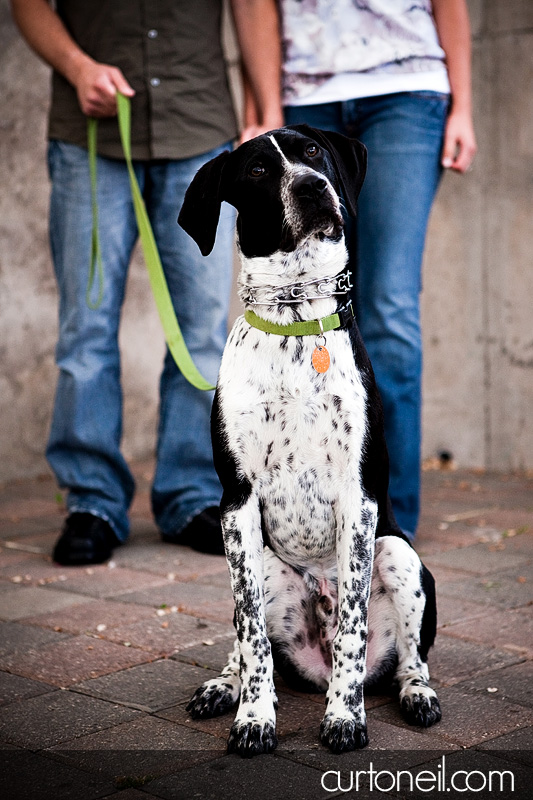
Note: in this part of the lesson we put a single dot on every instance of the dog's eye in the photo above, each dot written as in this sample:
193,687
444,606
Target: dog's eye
256,171
311,150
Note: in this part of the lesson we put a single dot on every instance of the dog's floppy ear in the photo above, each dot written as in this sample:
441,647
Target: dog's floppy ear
349,158
201,207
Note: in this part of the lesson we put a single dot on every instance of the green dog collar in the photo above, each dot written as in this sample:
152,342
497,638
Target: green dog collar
315,327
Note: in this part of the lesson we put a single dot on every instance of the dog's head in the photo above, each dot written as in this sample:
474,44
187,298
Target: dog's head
285,185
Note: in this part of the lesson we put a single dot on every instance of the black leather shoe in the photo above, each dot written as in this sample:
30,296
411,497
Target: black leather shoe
203,533
85,539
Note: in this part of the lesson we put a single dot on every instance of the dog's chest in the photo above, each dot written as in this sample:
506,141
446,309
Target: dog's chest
295,434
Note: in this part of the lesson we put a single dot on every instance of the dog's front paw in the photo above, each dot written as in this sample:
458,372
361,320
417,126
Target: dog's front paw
252,738
342,734
212,699
422,710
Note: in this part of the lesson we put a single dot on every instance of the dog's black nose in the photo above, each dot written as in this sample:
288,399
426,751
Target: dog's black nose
310,186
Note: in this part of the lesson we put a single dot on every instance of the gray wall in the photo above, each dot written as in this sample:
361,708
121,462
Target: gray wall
478,294
478,284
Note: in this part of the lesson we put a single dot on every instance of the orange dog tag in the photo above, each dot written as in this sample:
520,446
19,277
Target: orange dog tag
320,359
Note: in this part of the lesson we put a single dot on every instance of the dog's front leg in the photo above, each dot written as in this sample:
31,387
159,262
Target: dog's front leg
344,724
254,728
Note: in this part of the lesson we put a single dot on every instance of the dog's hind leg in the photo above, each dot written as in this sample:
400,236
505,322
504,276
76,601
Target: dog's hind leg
411,591
218,695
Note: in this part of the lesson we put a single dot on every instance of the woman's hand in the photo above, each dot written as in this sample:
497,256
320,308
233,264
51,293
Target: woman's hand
459,142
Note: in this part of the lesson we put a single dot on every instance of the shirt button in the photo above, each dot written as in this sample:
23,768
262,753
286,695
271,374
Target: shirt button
155,81
152,33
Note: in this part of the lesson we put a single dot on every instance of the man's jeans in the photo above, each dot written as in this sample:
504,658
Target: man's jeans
404,136
84,444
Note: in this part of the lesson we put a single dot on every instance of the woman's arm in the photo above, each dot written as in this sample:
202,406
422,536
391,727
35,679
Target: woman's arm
453,28
257,26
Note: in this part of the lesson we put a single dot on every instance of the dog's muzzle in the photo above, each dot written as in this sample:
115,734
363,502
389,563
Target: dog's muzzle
316,205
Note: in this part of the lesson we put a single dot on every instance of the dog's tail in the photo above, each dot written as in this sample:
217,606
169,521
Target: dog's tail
428,629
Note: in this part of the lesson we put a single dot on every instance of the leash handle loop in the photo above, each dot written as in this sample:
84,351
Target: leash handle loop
174,337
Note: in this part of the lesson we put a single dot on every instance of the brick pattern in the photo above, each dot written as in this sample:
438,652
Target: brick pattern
97,664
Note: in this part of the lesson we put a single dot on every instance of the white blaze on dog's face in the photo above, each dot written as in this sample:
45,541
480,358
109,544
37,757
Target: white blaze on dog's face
310,203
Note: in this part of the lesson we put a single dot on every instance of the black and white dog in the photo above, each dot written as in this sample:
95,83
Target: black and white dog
327,590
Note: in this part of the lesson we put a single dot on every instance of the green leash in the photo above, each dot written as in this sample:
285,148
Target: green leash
174,338
96,255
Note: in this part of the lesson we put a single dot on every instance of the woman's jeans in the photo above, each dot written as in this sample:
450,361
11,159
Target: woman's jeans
84,444
404,136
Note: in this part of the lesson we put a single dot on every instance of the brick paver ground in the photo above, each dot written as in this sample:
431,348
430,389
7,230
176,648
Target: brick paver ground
97,664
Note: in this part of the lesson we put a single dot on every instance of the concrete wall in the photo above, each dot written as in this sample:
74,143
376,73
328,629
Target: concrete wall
478,278
478,284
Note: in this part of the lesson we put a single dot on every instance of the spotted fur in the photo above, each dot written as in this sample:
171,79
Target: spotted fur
326,587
